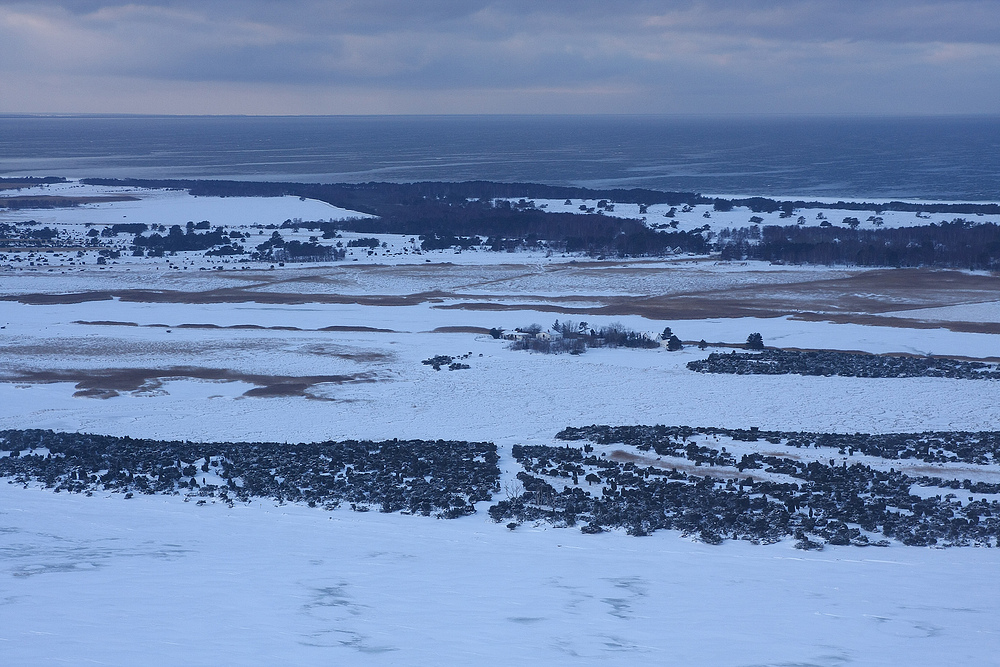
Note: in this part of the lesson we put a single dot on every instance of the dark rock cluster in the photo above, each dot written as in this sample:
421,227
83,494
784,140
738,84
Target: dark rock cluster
817,502
847,364
449,362
663,477
442,477
977,447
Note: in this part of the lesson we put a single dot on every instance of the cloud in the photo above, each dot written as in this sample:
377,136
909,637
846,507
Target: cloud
458,55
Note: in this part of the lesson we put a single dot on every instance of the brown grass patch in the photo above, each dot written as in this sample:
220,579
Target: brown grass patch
107,323
106,383
356,329
59,201
899,322
859,297
259,327
59,299
95,393
281,389
465,330
250,327
338,353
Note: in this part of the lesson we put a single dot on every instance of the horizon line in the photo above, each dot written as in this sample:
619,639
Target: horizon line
711,115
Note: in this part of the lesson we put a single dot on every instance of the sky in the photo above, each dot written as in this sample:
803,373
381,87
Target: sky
516,56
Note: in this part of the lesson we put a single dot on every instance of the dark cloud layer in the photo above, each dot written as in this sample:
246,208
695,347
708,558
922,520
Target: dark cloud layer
336,56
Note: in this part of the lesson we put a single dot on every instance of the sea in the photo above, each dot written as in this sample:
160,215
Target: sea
918,158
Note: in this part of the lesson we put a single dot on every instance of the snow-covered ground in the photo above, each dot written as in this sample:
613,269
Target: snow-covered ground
157,580
168,207
986,311
546,392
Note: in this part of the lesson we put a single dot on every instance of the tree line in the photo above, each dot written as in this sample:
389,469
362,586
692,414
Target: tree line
374,197
460,213
955,244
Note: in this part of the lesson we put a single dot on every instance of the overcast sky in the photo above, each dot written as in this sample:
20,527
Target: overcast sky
465,56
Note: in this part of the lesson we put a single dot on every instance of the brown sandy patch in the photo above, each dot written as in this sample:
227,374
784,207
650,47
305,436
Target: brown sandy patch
338,352
255,327
247,294
95,393
250,327
282,389
859,297
900,322
59,201
107,323
357,329
107,383
234,295
856,299
466,330
59,299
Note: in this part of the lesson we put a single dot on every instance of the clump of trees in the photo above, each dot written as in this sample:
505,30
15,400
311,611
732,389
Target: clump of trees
123,228
278,250
27,234
30,181
365,242
435,241
179,240
959,243
575,338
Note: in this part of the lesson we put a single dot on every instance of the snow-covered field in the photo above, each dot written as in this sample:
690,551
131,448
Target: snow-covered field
168,207
545,392
157,580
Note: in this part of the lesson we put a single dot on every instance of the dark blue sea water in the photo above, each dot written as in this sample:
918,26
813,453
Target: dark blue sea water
914,158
